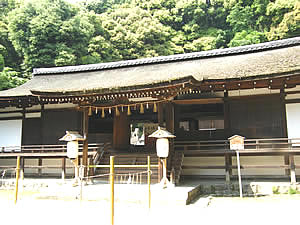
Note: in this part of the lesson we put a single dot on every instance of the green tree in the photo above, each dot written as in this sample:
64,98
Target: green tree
135,33
285,16
101,6
246,38
49,33
12,59
10,79
1,62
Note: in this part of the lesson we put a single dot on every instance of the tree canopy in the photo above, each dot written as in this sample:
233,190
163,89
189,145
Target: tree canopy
47,33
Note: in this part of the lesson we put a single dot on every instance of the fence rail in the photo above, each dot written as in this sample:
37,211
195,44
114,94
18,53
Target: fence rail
47,148
259,145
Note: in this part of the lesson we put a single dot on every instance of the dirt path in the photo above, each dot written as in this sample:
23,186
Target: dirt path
58,205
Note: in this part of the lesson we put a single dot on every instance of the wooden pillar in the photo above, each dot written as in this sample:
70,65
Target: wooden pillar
170,117
287,163
283,113
176,118
227,131
22,167
121,131
160,114
91,170
63,168
40,163
42,141
293,171
160,170
85,131
170,127
228,169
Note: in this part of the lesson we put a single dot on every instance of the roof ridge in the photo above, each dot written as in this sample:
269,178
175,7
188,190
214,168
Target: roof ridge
170,58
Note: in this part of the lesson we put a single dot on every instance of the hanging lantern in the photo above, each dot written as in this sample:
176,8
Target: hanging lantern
117,112
109,110
142,109
147,105
155,108
128,111
96,111
103,113
90,111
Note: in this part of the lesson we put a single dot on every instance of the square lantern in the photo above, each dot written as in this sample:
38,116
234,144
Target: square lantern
72,137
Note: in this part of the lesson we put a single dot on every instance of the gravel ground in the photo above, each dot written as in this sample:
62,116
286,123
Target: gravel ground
58,205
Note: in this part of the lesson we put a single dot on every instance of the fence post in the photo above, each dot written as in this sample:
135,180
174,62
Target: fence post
63,168
17,178
292,171
112,191
149,182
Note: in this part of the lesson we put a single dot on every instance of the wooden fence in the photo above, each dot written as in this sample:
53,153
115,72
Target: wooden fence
287,148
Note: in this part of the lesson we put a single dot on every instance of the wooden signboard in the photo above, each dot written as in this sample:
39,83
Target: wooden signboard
236,142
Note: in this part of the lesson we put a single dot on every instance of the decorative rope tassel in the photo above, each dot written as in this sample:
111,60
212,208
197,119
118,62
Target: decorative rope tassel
117,112
128,111
142,109
155,108
103,113
90,111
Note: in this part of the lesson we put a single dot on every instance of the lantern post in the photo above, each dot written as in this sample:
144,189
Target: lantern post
72,138
162,150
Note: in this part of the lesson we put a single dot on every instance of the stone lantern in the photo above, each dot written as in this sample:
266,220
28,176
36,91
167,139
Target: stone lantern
162,149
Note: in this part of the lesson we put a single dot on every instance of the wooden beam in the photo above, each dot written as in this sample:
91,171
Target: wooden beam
198,101
291,101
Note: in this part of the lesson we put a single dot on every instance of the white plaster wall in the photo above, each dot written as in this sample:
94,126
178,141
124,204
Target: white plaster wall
260,160
10,132
245,160
203,161
293,120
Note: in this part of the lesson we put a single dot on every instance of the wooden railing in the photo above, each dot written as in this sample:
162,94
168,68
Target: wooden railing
47,148
250,145
283,147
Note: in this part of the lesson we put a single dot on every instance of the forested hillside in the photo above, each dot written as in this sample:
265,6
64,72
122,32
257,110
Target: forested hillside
47,33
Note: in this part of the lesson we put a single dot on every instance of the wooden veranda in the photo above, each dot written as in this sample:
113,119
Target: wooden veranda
284,147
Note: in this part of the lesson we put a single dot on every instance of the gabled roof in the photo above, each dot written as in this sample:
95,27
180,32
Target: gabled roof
253,61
